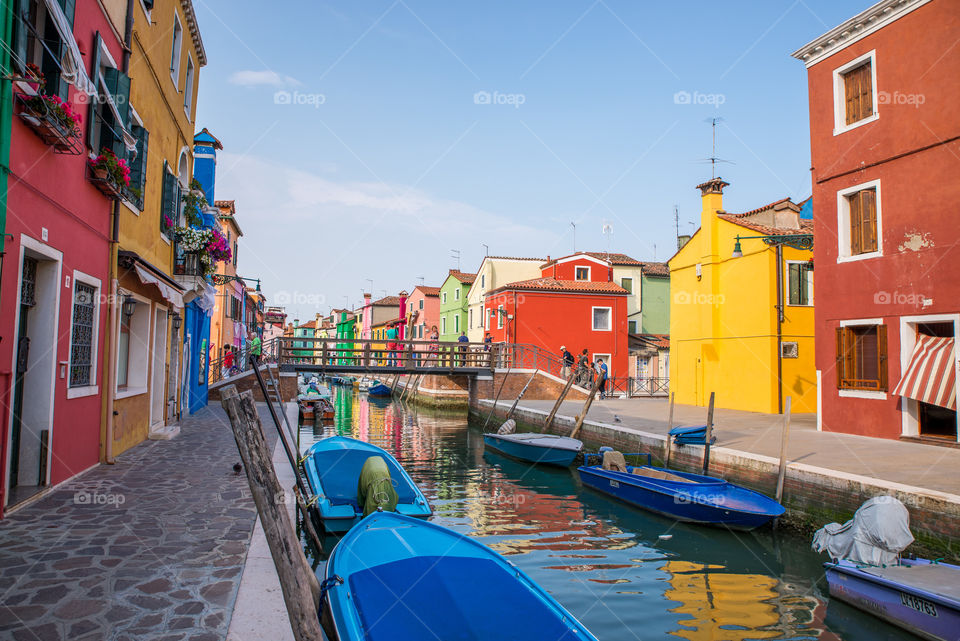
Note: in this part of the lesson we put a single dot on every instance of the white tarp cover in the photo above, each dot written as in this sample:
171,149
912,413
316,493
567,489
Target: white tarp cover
876,534
71,64
168,292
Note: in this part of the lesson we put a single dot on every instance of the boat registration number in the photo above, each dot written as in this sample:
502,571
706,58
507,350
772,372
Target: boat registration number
920,605
614,483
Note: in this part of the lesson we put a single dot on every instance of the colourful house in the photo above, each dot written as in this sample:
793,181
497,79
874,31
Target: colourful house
494,272
573,303
226,327
741,309
423,312
884,107
303,350
452,312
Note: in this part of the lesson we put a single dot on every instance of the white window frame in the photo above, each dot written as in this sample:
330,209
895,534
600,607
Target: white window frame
96,283
443,324
470,323
176,50
456,294
630,278
839,94
486,319
843,223
456,323
856,393
483,282
135,117
188,87
140,362
577,268
786,281
593,318
910,420
500,316
443,297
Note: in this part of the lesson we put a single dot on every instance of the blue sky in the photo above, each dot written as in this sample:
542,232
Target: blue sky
366,140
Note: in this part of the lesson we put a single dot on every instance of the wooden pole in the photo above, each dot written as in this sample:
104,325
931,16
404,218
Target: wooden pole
669,443
497,398
301,590
781,475
706,447
586,408
519,396
556,406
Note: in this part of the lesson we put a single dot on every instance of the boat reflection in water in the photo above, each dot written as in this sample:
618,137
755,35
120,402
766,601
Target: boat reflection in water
624,573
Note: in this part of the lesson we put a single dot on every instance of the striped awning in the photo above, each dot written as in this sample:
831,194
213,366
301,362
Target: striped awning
930,375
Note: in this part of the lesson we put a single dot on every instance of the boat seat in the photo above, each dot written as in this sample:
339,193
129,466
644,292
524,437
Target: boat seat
509,427
649,472
613,461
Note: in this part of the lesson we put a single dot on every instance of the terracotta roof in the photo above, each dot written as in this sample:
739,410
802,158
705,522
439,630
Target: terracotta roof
427,291
226,204
463,277
573,286
661,341
388,300
514,258
310,325
806,226
656,269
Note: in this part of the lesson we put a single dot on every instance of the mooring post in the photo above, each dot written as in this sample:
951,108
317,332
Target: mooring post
301,590
782,473
706,447
581,417
668,444
556,406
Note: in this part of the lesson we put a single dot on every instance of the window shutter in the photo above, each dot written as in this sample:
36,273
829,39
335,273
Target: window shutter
21,12
93,123
851,95
866,91
69,8
167,203
868,220
855,224
118,84
882,357
138,173
793,275
839,357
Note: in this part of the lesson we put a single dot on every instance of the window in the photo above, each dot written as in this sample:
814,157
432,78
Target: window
170,201
443,298
632,327
36,40
471,319
133,357
123,352
456,323
483,281
234,308
188,88
627,284
500,315
175,51
601,319
421,303
486,320
83,334
108,116
855,93
582,273
443,325
859,222
138,167
799,283
456,294
862,357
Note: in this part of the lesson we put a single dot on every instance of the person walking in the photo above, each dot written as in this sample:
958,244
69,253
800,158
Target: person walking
567,359
227,364
602,373
256,348
434,345
583,369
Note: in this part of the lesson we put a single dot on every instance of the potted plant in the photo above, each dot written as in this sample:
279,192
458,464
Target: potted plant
194,201
110,173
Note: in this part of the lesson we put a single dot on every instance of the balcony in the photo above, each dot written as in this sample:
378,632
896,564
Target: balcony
188,269
50,122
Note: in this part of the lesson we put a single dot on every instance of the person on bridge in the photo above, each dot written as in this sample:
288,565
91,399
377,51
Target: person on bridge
568,360
602,373
463,340
256,347
583,369
434,345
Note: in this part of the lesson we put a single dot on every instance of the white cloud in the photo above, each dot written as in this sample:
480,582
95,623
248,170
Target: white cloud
250,78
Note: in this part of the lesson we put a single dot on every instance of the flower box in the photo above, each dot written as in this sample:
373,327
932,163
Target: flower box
48,119
103,181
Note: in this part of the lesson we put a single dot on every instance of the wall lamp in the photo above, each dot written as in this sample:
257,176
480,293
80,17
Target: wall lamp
129,306
797,241
176,320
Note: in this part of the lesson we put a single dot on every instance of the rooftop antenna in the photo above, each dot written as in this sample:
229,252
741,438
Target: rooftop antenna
676,220
607,229
713,159
421,279
486,249
654,252
574,225
455,253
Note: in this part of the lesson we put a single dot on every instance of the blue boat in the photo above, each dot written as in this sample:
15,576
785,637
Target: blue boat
535,448
394,578
379,390
917,595
332,467
687,497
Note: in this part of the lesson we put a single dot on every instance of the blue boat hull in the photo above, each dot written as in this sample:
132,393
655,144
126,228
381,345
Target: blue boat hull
926,614
379,390
530,453
332,467
705,500
393,578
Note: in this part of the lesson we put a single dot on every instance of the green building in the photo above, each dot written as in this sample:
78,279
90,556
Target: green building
346,333
307,330
655,299
453,304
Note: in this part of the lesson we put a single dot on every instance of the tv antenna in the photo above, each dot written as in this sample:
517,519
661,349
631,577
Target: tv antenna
486,249
574,225
421,279
713,159
455,253
607,229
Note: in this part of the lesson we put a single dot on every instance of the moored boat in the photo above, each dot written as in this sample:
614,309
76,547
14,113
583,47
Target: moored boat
379,390
399,579
547,449
692,498
332,468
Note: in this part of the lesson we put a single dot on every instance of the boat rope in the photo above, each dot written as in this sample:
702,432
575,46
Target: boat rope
304,459
325,586
313,500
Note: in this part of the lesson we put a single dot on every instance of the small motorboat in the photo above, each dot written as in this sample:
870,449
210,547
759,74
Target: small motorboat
400,579
323,410
366,383
332,467
535,448
379,390
687,497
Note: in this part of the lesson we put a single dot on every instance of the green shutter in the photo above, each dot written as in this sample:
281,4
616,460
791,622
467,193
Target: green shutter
21,9
93,124
167,202
69,8
118,84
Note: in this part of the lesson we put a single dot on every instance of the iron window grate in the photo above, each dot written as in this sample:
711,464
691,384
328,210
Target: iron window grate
81,344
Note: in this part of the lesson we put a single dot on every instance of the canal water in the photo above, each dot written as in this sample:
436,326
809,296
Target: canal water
624,573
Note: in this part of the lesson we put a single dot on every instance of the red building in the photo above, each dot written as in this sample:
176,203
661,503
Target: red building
885,147
55,277
574,303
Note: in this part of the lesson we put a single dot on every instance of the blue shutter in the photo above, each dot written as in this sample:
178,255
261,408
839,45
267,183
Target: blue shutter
93,124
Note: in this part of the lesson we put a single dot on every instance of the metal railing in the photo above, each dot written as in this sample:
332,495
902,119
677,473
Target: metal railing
240,360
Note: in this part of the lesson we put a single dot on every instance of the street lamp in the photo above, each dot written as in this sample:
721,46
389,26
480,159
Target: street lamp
223,279
176,320
797,241
129,306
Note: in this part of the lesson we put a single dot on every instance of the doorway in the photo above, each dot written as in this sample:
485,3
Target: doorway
920,419
158,399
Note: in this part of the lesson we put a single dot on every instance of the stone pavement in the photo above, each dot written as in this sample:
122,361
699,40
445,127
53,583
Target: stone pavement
152,547
925,466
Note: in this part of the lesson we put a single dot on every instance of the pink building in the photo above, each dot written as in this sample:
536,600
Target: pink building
423,311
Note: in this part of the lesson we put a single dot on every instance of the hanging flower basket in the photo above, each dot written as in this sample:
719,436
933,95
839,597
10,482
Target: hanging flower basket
52,119
109,174
209,245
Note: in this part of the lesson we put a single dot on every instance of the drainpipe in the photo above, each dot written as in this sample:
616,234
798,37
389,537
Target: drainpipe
7,18
779,307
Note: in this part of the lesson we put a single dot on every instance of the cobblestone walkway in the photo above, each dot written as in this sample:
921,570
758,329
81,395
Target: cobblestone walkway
150,548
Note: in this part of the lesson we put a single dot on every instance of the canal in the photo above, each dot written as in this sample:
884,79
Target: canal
624,573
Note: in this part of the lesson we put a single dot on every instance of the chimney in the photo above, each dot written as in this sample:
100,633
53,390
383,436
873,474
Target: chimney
711,198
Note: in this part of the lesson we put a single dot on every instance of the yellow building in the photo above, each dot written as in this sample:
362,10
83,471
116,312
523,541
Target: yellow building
227,331
144,346
741,311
